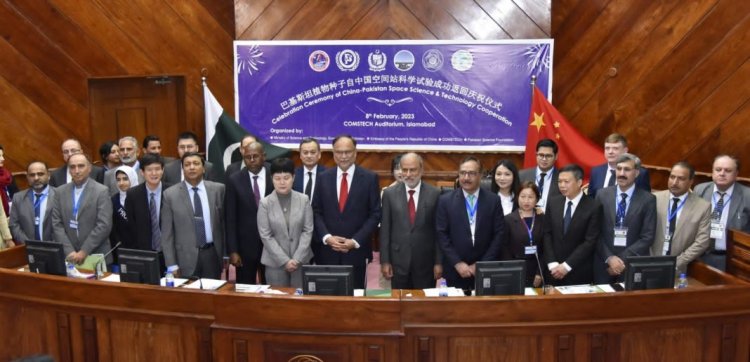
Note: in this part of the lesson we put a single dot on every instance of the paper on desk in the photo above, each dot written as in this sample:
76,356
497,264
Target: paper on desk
606,288
111,278
435,292
205,284
273,291
250,288
177,282
529,291
579,289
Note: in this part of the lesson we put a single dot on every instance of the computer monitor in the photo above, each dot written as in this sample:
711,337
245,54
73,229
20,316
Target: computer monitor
500,277
139,266
649,272
328,279
45,257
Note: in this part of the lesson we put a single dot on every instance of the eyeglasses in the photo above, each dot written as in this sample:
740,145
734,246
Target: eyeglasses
468,173
545,156
72,151
344,153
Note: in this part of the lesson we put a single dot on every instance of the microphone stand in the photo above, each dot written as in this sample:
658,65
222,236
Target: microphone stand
98,266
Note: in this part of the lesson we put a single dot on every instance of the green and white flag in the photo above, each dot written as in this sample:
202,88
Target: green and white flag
223,135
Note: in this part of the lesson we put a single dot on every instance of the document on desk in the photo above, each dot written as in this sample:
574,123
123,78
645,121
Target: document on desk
435,292
579,289
205,284
114,278
250,288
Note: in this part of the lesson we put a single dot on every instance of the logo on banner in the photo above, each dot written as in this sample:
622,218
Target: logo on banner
319,60
462,60
403,60
347,60
432,60
377,61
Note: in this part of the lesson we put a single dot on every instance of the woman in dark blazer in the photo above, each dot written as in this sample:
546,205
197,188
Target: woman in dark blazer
519,224
126,177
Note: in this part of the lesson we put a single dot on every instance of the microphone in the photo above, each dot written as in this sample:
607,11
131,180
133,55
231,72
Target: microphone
541,273
98,266
367,261
199,279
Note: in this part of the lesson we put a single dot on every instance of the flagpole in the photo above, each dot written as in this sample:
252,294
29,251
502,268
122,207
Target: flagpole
533,84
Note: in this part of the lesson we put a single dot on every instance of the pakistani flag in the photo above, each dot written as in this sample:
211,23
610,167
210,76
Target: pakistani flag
223,135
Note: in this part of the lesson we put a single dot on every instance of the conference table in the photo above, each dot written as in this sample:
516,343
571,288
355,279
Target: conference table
90,320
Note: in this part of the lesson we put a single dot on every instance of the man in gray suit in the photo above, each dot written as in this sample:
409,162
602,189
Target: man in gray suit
409,255
683,218
730,207
82,213
628,222
192,223
30,212
128,146
545,173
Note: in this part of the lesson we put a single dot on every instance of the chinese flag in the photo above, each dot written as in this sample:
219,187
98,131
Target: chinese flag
546,122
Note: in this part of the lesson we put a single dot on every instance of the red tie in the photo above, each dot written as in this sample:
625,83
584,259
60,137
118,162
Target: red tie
412,208
344,193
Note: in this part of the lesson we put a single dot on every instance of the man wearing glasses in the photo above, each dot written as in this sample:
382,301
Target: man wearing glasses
545,173
470,226
61,176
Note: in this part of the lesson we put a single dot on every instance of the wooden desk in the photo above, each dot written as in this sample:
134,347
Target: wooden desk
87,320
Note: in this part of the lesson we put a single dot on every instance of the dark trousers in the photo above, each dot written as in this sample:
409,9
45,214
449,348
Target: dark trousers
248,272
418,277
208,265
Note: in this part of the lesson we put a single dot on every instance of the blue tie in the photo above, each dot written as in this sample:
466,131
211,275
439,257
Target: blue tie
568,216
200,227
621,209
37,216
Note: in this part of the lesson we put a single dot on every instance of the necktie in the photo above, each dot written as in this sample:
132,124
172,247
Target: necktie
412,208
568,216
256,190
719,208
672,221
155,228
200,228
308,186
37,216
542,176
621,209
612,178
343,192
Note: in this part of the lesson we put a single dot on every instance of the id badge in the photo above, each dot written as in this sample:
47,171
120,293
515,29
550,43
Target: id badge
36,220
530,250
717,230
621,236
74,224
665,248
667,236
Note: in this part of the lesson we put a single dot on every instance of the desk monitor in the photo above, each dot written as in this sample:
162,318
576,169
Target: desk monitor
139,266
649,272
500,277
45,257
328,280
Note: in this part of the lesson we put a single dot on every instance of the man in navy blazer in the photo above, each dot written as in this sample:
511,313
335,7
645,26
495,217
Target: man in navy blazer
604,175
61,175
307,176
244,245
470,226
347,211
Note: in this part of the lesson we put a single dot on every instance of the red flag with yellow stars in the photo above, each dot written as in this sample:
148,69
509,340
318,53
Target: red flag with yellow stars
546,122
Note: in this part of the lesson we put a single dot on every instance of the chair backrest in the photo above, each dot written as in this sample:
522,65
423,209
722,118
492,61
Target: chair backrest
738,254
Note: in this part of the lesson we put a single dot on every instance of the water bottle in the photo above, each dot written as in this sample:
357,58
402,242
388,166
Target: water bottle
683,282
70,269
169,279
443,286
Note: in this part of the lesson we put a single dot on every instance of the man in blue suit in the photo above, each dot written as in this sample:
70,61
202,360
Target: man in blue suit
615,145
306,178
347,211
470,226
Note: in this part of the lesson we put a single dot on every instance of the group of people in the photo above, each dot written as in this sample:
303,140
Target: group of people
271,218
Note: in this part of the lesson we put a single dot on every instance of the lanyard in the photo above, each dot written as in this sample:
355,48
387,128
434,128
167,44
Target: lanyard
726,201
529,229
472,210
671,215
76,204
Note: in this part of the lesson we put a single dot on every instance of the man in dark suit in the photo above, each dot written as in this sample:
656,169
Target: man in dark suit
192,223
307,176
188,142
730,207
409,254
544,174
143,207
152,144
628,223
347,210
604,175
82,213
26,223
470,226
61,176
236,166
245,189
571,231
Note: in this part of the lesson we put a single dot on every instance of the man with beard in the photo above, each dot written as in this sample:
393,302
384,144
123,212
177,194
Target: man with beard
128,156
30,212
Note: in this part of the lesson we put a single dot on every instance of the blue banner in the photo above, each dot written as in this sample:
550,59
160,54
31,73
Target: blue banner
391,95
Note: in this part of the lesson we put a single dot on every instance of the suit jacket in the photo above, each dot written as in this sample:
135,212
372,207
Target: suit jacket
173,173
22,216
281,241
640,219
576,247
139,217
241,216
57,177
111,181
359,220
739,205
454,232
691,232
178,239
299,178
402,245
529,174
517,241
94,219
599,174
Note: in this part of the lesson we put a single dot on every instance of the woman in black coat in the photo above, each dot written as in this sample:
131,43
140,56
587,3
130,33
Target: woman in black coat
525,228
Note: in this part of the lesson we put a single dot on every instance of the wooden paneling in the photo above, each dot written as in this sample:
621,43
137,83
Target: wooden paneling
52,48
